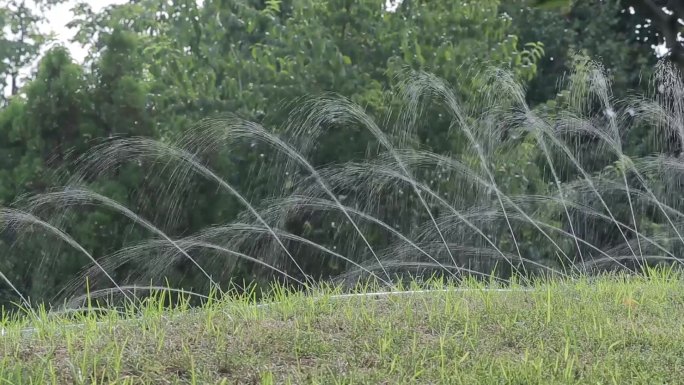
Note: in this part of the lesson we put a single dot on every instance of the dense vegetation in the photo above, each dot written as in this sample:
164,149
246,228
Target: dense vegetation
156,68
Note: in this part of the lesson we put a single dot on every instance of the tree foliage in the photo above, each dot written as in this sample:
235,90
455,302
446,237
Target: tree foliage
648,22
156,67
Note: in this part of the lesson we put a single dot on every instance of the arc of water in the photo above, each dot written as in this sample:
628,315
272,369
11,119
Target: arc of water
452,163
9,283
606,217
23,217
506,79
317,203
83,194
146,145
590,183
344,105
458,214
437,86
626,162
279,144
241,226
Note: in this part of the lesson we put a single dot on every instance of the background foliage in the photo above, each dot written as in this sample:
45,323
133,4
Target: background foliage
156,67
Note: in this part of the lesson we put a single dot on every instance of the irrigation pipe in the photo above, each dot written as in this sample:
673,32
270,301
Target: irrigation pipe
375,295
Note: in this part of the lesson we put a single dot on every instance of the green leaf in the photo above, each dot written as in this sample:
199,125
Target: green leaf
551,4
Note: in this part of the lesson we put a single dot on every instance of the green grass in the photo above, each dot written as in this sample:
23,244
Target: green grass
610,330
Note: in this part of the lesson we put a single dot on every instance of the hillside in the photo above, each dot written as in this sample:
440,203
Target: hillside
612,330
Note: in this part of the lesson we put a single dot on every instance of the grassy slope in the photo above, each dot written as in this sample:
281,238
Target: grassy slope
610,331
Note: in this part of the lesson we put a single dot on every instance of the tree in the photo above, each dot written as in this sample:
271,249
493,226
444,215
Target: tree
666,17
62,110
37,132
22,45
651,22
605,32
157,66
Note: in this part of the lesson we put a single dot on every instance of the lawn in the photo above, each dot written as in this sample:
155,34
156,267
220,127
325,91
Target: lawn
614,329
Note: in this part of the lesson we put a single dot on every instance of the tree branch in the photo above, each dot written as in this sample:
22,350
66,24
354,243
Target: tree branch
668,25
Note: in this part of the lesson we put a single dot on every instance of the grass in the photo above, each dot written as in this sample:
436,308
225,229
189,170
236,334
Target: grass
615,329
